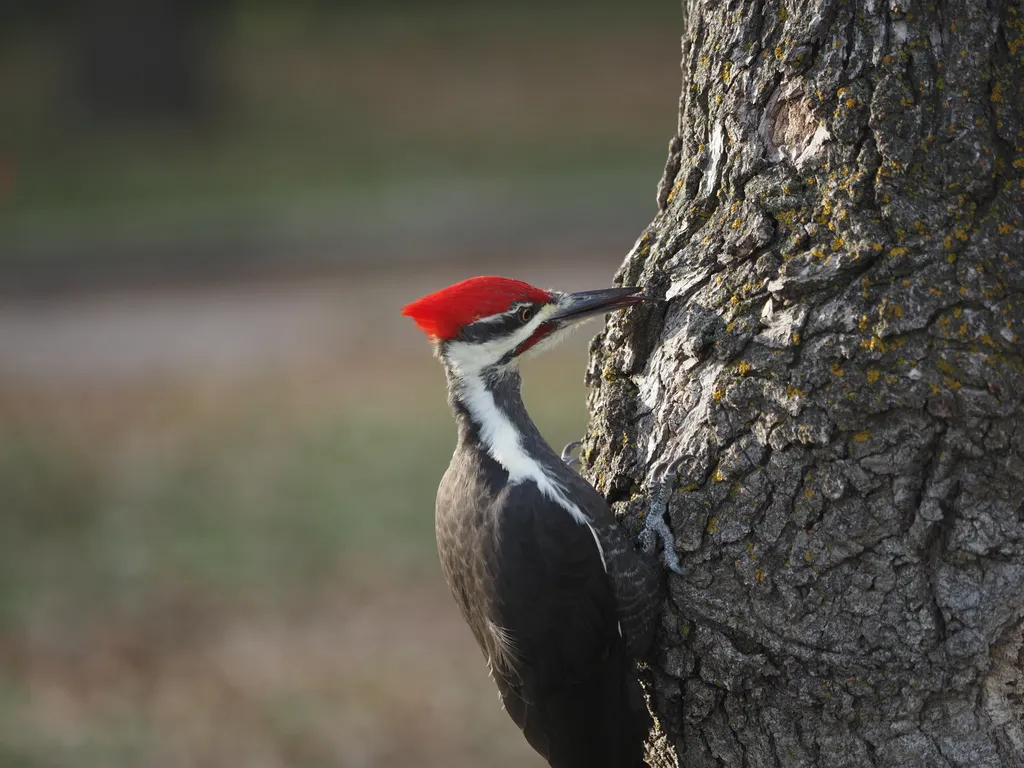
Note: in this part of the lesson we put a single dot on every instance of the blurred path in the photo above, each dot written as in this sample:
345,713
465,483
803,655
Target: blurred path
243,329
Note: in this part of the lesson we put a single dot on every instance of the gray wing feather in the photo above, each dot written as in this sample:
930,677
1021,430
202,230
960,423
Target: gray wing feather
635,583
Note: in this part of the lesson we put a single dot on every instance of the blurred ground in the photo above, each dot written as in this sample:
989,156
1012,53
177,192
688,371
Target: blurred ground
219,440
221,545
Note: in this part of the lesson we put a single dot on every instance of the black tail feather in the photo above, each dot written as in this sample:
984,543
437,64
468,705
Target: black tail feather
599,722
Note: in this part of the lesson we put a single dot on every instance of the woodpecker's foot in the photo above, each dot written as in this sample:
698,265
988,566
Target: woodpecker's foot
655,528
567,457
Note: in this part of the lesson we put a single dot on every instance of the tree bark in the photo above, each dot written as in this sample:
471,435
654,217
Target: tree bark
839,365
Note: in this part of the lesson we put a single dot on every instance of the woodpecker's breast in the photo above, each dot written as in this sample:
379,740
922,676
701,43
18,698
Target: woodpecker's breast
526,575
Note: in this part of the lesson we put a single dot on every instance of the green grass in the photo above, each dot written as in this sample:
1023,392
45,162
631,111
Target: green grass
141,554
257,508
256,501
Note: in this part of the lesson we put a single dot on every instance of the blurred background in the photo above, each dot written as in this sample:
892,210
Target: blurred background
219,440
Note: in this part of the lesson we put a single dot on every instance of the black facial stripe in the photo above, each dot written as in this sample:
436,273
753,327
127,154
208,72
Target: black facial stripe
481,331
487,330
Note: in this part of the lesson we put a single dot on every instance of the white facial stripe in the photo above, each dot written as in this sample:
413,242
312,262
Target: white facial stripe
468,359
493,318
516,306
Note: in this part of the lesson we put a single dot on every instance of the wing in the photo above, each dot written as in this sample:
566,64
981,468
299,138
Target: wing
528,578
634,582
551,596
568,680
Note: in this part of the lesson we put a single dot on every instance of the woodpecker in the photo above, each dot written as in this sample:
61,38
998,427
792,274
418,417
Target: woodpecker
559,601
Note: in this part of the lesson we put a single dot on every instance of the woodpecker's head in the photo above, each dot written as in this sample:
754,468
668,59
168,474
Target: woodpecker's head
488,323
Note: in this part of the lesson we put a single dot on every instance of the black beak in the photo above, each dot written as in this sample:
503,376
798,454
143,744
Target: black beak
573,307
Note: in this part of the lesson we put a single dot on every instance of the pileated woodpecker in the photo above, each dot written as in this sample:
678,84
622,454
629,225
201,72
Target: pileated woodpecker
560,602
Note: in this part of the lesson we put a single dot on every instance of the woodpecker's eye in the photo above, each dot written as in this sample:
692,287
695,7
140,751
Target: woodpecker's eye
525,314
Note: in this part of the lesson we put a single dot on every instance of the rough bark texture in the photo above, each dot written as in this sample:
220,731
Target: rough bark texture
841,362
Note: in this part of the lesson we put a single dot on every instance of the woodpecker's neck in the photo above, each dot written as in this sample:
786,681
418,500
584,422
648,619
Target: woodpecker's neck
493,419
489,408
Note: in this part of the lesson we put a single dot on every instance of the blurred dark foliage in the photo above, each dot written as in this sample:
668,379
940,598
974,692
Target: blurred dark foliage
131,60
137,59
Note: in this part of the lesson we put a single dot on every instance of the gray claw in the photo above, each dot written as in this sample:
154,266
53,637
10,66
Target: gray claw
663,478
567,457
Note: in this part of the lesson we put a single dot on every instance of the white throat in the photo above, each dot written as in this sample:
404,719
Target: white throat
504,443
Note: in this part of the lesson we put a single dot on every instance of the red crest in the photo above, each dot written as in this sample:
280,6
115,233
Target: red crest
441,314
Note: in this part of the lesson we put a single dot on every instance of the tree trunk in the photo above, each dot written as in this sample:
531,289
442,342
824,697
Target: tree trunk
840,365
